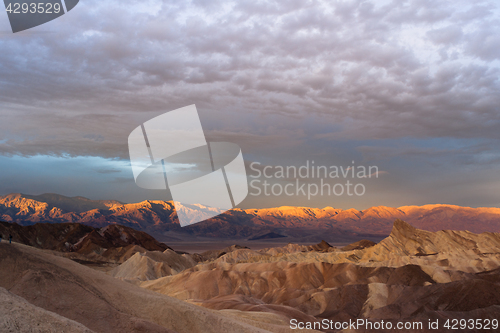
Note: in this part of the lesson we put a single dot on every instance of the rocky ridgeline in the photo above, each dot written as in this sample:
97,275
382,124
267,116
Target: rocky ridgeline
159,218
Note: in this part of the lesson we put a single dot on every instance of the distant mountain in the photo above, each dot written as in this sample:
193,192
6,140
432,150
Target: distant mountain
269,235
159,218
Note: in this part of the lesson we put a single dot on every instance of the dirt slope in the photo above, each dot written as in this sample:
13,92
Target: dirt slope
152,265
101,302
19,316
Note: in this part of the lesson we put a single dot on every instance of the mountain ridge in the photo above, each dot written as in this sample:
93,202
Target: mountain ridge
159,217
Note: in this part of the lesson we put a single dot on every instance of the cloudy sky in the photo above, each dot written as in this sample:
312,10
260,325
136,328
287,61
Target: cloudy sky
412,87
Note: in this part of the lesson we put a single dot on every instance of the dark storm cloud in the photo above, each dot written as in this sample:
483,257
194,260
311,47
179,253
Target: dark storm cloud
278,78
107,171
368,67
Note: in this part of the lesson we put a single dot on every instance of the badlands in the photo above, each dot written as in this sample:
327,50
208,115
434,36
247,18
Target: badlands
411,275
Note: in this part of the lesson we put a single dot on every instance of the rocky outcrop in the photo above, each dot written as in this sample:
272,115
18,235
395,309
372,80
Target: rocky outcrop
152,265
410,275
113,241
406,240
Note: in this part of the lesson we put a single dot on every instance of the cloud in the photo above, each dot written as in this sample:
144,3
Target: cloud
448,35
107,171
358,64
284,80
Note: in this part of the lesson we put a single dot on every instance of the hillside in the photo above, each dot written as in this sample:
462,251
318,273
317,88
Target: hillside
411,275
113,243
65,292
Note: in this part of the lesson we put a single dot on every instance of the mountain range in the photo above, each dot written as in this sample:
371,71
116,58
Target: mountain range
159,218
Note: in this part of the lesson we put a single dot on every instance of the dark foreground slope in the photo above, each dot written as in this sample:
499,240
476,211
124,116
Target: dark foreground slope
76,237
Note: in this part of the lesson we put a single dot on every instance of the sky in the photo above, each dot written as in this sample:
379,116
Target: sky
411,87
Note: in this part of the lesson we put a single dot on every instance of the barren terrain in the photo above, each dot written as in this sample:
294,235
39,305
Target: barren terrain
79,279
